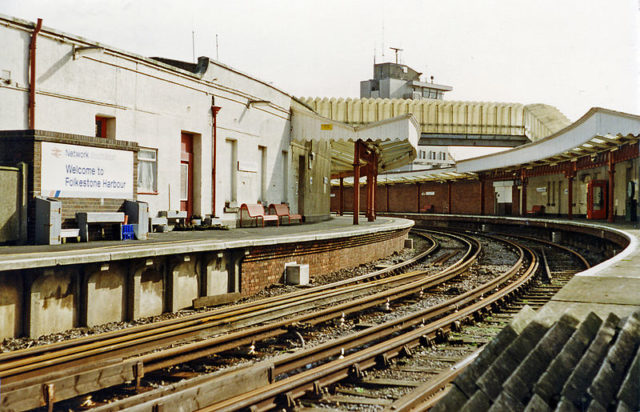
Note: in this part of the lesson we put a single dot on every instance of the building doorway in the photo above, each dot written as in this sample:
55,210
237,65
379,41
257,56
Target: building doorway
186,173
597,199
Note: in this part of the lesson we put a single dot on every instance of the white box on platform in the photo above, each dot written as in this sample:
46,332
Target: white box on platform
297,274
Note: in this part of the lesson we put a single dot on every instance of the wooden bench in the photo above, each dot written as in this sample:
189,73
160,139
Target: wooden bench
536,210
86,218
282,210
427,208
256,212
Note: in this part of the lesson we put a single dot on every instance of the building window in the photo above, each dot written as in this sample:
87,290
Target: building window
148,171
106,127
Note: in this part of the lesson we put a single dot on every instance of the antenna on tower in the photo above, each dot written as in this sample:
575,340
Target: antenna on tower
397,50
193,45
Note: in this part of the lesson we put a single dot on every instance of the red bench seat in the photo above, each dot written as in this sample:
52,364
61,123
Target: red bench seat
282,211
256,212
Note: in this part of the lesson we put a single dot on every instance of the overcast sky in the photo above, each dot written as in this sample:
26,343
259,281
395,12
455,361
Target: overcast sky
572,54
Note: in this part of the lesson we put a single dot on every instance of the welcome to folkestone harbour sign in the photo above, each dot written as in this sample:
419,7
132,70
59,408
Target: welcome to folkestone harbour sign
86,172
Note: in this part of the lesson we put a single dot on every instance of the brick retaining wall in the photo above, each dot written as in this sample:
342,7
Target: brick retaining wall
264,265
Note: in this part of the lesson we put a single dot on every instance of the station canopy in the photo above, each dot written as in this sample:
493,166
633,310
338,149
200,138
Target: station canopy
416,176
394,140
599,130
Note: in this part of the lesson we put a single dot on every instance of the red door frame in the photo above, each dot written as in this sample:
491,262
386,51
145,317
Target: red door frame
602,212
186,157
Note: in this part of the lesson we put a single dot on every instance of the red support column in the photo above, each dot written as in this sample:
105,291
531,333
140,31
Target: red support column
612,171
387,186
523,206
570,200
368,192
374,185
481,196
356,181
341,198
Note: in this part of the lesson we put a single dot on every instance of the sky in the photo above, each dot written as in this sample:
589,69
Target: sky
571,54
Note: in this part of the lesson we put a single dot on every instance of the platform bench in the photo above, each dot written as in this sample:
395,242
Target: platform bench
256,212
84,219
69,233
428,208
282,210
536,210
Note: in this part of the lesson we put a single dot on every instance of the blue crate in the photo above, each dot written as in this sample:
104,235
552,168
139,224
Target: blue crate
127,232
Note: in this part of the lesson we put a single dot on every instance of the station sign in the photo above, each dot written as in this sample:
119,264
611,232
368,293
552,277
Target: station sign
85,172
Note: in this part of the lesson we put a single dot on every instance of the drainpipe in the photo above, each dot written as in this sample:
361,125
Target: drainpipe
32,75
214,147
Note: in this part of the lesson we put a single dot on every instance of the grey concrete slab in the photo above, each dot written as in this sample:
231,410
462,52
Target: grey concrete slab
601,290
159,244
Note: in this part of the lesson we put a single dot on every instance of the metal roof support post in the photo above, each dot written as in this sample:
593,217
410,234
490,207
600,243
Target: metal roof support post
612,170
570,200
387,187
523,206
449,197
482,196
368,190
418,195
341,198
356,181
372,171
373,191
570,175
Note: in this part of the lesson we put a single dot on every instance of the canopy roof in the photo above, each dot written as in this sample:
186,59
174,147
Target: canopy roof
395,140
598,130
416,176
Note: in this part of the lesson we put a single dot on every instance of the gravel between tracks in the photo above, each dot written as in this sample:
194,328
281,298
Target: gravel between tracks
11,344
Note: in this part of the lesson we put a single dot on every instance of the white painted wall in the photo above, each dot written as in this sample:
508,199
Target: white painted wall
152,103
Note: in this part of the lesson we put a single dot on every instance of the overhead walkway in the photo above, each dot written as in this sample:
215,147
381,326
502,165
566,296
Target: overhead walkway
451,123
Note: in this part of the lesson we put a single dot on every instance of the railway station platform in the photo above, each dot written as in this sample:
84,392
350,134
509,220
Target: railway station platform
46,289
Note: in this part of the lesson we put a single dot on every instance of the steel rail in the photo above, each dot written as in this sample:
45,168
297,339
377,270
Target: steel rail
554,245
262,303
427,395
10,362
38,377
422,398
295,386
159,360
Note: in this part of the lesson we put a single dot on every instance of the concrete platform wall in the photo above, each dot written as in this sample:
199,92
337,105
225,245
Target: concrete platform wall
38,301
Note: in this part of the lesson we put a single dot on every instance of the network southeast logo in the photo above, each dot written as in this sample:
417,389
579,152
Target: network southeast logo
74,154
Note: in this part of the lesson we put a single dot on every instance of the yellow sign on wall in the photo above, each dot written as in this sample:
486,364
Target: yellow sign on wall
326,127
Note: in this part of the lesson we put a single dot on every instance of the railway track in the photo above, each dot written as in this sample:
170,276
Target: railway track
388,344
558,264
402,336
295,366
456,344
48,374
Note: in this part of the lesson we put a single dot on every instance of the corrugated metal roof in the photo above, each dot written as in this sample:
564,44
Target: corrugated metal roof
448,116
